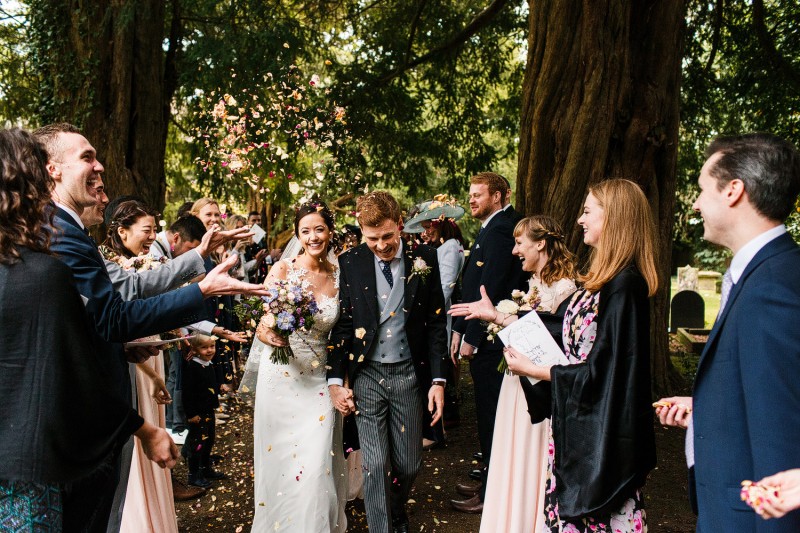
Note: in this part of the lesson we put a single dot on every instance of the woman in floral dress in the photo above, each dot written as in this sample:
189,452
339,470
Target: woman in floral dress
602,438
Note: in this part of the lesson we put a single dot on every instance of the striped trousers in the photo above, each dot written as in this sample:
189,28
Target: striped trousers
389,422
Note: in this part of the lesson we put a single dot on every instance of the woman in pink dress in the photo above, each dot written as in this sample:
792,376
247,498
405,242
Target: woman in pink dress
515,486
149,504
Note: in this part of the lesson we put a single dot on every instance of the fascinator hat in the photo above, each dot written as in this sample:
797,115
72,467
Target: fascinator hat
440,208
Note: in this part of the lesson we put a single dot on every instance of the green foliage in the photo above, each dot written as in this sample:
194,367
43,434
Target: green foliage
18,84
420,119
733,83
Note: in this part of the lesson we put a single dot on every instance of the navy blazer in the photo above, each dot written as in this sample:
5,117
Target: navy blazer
490,263
116,321
426,320
747,392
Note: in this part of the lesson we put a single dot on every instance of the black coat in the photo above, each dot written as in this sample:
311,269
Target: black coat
602,412
61,412
426,320
199,389
490,263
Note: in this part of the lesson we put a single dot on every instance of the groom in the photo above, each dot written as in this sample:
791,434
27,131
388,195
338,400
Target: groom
390,343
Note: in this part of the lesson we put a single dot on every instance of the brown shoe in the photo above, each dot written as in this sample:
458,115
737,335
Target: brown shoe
181,492
472,505
467,489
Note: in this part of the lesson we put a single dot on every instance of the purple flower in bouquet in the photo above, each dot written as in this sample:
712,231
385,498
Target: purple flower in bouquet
289,308
285,321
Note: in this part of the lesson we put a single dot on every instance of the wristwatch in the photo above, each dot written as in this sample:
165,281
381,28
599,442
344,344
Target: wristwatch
439,383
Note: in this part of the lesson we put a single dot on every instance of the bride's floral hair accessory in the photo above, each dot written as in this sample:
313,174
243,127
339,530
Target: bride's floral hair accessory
313,206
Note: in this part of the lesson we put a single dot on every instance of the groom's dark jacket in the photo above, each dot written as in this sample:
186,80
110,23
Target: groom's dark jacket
426,321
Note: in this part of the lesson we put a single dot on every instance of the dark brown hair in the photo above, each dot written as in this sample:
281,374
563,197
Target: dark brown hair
768,166
313,206
448,229
124,216
49,136
25,188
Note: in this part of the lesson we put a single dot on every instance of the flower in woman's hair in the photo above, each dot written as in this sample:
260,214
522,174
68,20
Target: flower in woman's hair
419,268
285,321
507,307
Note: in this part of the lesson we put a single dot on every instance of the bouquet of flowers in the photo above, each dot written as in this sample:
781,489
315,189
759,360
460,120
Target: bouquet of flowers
288,308
520,301
249,311
138,263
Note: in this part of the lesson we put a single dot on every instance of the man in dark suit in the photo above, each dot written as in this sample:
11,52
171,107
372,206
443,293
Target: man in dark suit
746,401
390,343
77,175
491,265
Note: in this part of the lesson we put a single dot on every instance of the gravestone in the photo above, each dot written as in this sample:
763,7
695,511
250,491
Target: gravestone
687,278
707,280
687,310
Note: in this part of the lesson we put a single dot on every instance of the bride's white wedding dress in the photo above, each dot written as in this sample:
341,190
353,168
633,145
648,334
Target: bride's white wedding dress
300,469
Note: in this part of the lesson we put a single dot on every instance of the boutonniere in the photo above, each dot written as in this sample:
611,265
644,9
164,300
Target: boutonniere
419,268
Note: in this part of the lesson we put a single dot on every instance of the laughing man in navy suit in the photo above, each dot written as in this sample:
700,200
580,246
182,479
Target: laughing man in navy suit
746,401
78,175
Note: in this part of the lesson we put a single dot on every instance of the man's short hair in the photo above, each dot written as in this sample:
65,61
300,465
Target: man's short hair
48,137
375,207
253,214
494,182
768,166
189,227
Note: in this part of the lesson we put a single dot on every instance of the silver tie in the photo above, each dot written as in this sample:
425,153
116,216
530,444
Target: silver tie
727,284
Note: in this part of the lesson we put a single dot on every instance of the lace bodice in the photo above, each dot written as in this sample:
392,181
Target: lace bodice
310,348
552,295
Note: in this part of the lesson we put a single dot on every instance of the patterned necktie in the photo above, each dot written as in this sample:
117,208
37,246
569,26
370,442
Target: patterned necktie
727,285
387,272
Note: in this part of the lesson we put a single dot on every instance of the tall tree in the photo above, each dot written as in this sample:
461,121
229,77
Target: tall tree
102,68
600,100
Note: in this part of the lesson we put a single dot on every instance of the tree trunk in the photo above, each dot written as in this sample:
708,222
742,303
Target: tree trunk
600,100
106,63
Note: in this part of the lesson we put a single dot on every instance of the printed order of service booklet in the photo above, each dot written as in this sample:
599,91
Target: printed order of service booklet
529,336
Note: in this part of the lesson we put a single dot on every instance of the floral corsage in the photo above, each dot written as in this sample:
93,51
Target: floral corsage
419,268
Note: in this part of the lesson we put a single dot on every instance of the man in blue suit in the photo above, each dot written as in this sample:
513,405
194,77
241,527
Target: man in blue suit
746,401
78,175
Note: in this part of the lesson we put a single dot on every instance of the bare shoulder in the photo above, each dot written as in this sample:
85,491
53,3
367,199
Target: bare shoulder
278,271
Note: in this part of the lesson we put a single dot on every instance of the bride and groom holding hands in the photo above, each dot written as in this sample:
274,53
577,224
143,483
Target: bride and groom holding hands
376,351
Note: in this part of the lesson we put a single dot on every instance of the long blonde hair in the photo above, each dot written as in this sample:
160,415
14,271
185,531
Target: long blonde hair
628,235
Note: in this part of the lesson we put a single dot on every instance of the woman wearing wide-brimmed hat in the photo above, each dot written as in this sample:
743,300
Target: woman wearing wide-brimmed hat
435,222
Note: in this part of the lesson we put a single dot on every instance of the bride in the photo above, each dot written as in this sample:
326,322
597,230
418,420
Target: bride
300,469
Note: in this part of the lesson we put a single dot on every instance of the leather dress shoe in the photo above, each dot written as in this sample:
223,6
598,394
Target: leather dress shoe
182,493
400,522
478,456
467,489
400,528
472,505
476,474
